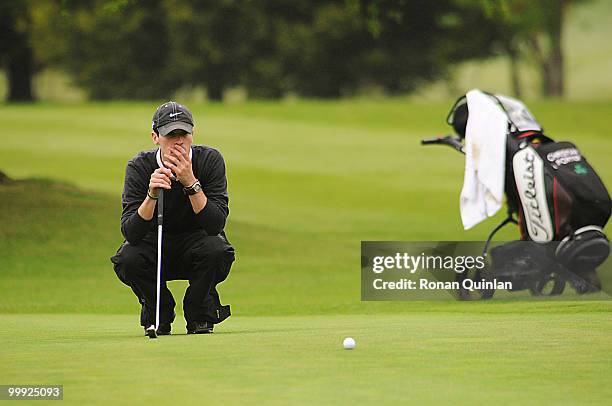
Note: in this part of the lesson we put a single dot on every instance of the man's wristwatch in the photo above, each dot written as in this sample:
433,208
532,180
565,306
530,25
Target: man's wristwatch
193,189
151,195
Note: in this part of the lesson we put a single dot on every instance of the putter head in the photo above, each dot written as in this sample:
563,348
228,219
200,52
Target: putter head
152,332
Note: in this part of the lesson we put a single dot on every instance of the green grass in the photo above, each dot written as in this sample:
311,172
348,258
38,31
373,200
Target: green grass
308,181
417,359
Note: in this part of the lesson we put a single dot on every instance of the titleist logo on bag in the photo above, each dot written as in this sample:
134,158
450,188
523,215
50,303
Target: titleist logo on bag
563,157
529,177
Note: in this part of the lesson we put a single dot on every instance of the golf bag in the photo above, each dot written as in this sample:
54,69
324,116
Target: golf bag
560,203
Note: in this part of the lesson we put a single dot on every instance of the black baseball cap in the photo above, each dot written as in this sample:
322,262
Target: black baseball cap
172,116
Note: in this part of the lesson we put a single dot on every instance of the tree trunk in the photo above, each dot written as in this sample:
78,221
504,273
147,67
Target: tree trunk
20,69
515,79
215,90
555,85
550,59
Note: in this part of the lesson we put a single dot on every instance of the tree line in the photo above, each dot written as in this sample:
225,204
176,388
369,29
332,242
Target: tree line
137,49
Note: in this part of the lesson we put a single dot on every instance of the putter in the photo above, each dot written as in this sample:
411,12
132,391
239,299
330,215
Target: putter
152,330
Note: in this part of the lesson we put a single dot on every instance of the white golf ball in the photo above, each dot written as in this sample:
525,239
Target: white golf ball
348,343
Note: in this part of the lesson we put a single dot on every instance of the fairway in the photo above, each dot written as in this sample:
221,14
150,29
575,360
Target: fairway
308,181
417,358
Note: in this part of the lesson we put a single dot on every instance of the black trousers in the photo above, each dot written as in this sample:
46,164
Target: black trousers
203,260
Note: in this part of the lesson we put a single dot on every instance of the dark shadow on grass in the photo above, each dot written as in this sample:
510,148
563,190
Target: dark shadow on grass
4,178
262,331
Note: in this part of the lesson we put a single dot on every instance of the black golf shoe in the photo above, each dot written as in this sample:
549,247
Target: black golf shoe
162,330
200,327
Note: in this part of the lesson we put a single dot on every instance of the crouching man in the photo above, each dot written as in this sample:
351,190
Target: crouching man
195,210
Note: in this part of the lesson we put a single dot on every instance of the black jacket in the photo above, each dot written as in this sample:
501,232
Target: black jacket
208,167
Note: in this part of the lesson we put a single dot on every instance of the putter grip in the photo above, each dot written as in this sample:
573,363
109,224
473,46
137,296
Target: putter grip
440,139
160,207
449,140
431,141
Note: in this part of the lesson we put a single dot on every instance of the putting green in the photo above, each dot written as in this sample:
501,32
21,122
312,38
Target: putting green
308,181
415,358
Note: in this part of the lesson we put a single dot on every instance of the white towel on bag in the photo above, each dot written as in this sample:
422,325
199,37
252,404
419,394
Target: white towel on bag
485,159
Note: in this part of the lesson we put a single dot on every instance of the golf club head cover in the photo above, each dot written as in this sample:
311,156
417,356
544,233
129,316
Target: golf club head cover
583,250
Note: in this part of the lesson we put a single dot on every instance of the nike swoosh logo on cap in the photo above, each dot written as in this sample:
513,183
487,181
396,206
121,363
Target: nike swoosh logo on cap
175,114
